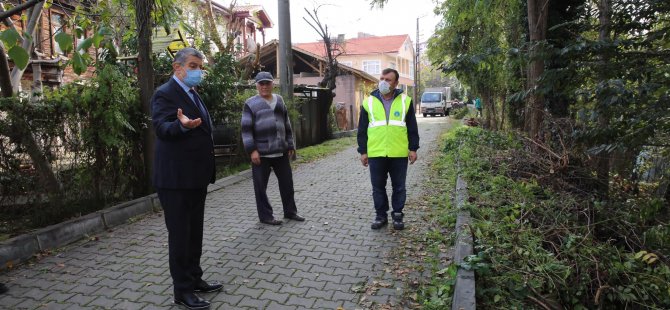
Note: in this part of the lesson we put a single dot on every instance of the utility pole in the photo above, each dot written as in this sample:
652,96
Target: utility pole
285,60
417,63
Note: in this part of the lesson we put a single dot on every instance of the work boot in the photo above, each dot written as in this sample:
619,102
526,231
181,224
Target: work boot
379,222
397,220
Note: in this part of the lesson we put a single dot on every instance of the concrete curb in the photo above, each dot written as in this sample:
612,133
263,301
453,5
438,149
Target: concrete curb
23,247
464,289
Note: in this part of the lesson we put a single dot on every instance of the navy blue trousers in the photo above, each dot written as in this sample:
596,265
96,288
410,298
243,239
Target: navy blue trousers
380,169
184,212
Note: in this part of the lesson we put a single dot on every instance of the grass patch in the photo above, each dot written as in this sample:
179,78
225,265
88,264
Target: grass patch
319,151
223,171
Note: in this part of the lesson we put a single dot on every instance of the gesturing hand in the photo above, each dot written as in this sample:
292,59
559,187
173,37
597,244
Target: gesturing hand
187,122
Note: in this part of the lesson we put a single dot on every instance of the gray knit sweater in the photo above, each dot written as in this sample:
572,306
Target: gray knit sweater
265,130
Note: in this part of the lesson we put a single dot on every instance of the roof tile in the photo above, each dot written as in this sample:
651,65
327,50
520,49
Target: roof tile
361,46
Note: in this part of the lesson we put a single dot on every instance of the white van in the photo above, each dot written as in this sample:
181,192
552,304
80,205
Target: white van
436,101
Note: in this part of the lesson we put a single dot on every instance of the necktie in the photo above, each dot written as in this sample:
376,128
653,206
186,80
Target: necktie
200,106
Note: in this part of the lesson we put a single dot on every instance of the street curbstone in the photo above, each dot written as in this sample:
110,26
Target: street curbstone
464,289
17,249
69,231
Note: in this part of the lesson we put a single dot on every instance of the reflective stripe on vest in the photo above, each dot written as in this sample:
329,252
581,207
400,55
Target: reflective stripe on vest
375,123
387,138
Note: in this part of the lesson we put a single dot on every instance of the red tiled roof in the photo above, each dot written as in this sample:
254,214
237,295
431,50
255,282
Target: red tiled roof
361,46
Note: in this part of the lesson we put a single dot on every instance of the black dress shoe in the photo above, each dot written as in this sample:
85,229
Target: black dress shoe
204,287
271,222
379,223
294,217
191,301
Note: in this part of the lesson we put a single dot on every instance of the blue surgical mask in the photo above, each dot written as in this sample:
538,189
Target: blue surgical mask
193,77
384,87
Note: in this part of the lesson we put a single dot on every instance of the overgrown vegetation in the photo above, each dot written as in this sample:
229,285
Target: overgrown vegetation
542,243
460,112
330,147
90,133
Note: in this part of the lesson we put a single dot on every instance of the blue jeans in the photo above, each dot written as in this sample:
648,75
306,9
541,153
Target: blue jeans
380,169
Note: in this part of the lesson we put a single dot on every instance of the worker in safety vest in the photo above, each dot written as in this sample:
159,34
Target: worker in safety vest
388,138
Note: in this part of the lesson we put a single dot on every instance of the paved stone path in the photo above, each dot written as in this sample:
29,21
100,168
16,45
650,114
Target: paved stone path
317,264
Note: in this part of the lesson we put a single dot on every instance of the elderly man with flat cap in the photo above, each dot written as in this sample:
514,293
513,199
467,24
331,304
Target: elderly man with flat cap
268,139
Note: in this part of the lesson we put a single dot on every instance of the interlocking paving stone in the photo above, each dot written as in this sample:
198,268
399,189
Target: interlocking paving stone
81,299
300,301
130,295
303,265
253,303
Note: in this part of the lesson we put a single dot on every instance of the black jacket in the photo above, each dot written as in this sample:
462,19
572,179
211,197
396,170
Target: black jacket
183,159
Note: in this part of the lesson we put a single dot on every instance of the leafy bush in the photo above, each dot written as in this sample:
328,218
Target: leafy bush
90,132
219,92
539,246
459,113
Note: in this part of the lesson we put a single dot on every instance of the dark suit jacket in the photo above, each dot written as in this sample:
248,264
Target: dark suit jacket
183,159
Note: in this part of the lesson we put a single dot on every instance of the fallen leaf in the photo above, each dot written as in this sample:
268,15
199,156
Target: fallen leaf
384,284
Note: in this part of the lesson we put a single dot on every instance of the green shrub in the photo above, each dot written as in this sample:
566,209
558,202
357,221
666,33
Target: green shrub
459,113
538,245
90,132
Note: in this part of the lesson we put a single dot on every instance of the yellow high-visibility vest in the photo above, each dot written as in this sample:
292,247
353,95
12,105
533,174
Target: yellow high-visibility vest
387,139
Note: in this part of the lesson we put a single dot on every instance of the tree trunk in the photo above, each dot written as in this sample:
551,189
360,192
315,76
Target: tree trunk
503,112
489,107
5,80
22,134
27,44
603,160
537,24
145,79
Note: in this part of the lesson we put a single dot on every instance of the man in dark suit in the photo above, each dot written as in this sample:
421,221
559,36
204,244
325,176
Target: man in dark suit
183,167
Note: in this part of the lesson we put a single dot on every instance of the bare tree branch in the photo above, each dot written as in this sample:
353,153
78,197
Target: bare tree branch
332,49
19,8
6,21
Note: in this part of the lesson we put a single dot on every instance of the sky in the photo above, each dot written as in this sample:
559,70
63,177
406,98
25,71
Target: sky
352,16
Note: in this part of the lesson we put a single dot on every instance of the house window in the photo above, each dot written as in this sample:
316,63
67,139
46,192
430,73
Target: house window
347,63
372,66
57,26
